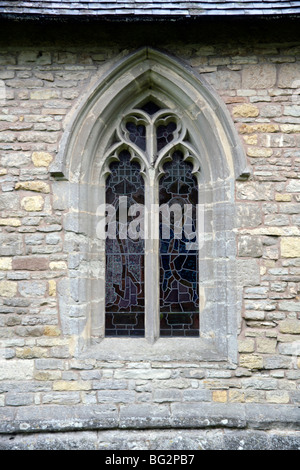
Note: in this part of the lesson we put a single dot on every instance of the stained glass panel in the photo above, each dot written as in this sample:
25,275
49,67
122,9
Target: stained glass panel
179,298
137,134
124,255
165,134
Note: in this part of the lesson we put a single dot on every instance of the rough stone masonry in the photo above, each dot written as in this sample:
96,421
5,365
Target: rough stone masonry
45,393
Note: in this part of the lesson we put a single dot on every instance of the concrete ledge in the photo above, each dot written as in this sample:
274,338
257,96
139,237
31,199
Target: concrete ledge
171,439
202,415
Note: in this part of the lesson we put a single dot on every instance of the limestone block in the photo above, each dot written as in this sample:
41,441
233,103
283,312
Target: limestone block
38,186
52,330
290,326
32,288
271,110
283,197
32,203
259,152
262,128
253,191
246,345
58,265
219,396
41,159
259,76
248,216
290,349
245,110
74,385
5,264
250,246
45,94
10,222
277,396
31,352
290,247
266,345
52,288
12,369
290,128
41,58
10,244
288,75
8,288
223,79
251,361
8,202
293,110
15,159
293,186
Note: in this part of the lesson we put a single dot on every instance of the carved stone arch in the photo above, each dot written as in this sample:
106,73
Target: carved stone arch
126,84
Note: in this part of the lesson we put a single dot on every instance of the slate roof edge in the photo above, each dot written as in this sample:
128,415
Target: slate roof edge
144,17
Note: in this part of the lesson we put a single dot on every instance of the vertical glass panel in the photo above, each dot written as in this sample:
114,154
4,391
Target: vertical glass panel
165,134
137,134
179,297
125,299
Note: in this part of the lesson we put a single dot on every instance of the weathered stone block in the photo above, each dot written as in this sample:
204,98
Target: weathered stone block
8,202
8,288
32,288
14,368
32,203
52,288
5,264
290,349
10,222
38,186
245,110
58,265
30,263
288,75
259,76
266,345
45,94
249,246
74,385
246,345
41,159
259,152
251,361
290,247
290,326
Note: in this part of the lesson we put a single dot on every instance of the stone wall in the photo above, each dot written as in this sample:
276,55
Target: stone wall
42,386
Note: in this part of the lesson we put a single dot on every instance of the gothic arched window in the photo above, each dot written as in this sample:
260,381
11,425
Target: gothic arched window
151,135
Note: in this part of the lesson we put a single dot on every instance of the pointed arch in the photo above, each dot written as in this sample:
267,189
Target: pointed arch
143,75
210,142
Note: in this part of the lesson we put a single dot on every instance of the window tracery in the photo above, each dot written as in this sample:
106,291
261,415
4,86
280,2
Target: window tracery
151,136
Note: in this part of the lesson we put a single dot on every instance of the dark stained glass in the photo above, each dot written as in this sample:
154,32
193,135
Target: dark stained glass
165,134
150,108
124,255
137,134
179,297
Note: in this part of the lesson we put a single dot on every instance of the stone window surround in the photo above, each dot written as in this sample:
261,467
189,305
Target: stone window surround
81,168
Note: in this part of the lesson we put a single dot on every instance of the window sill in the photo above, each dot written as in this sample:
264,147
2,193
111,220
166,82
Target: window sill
164,349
